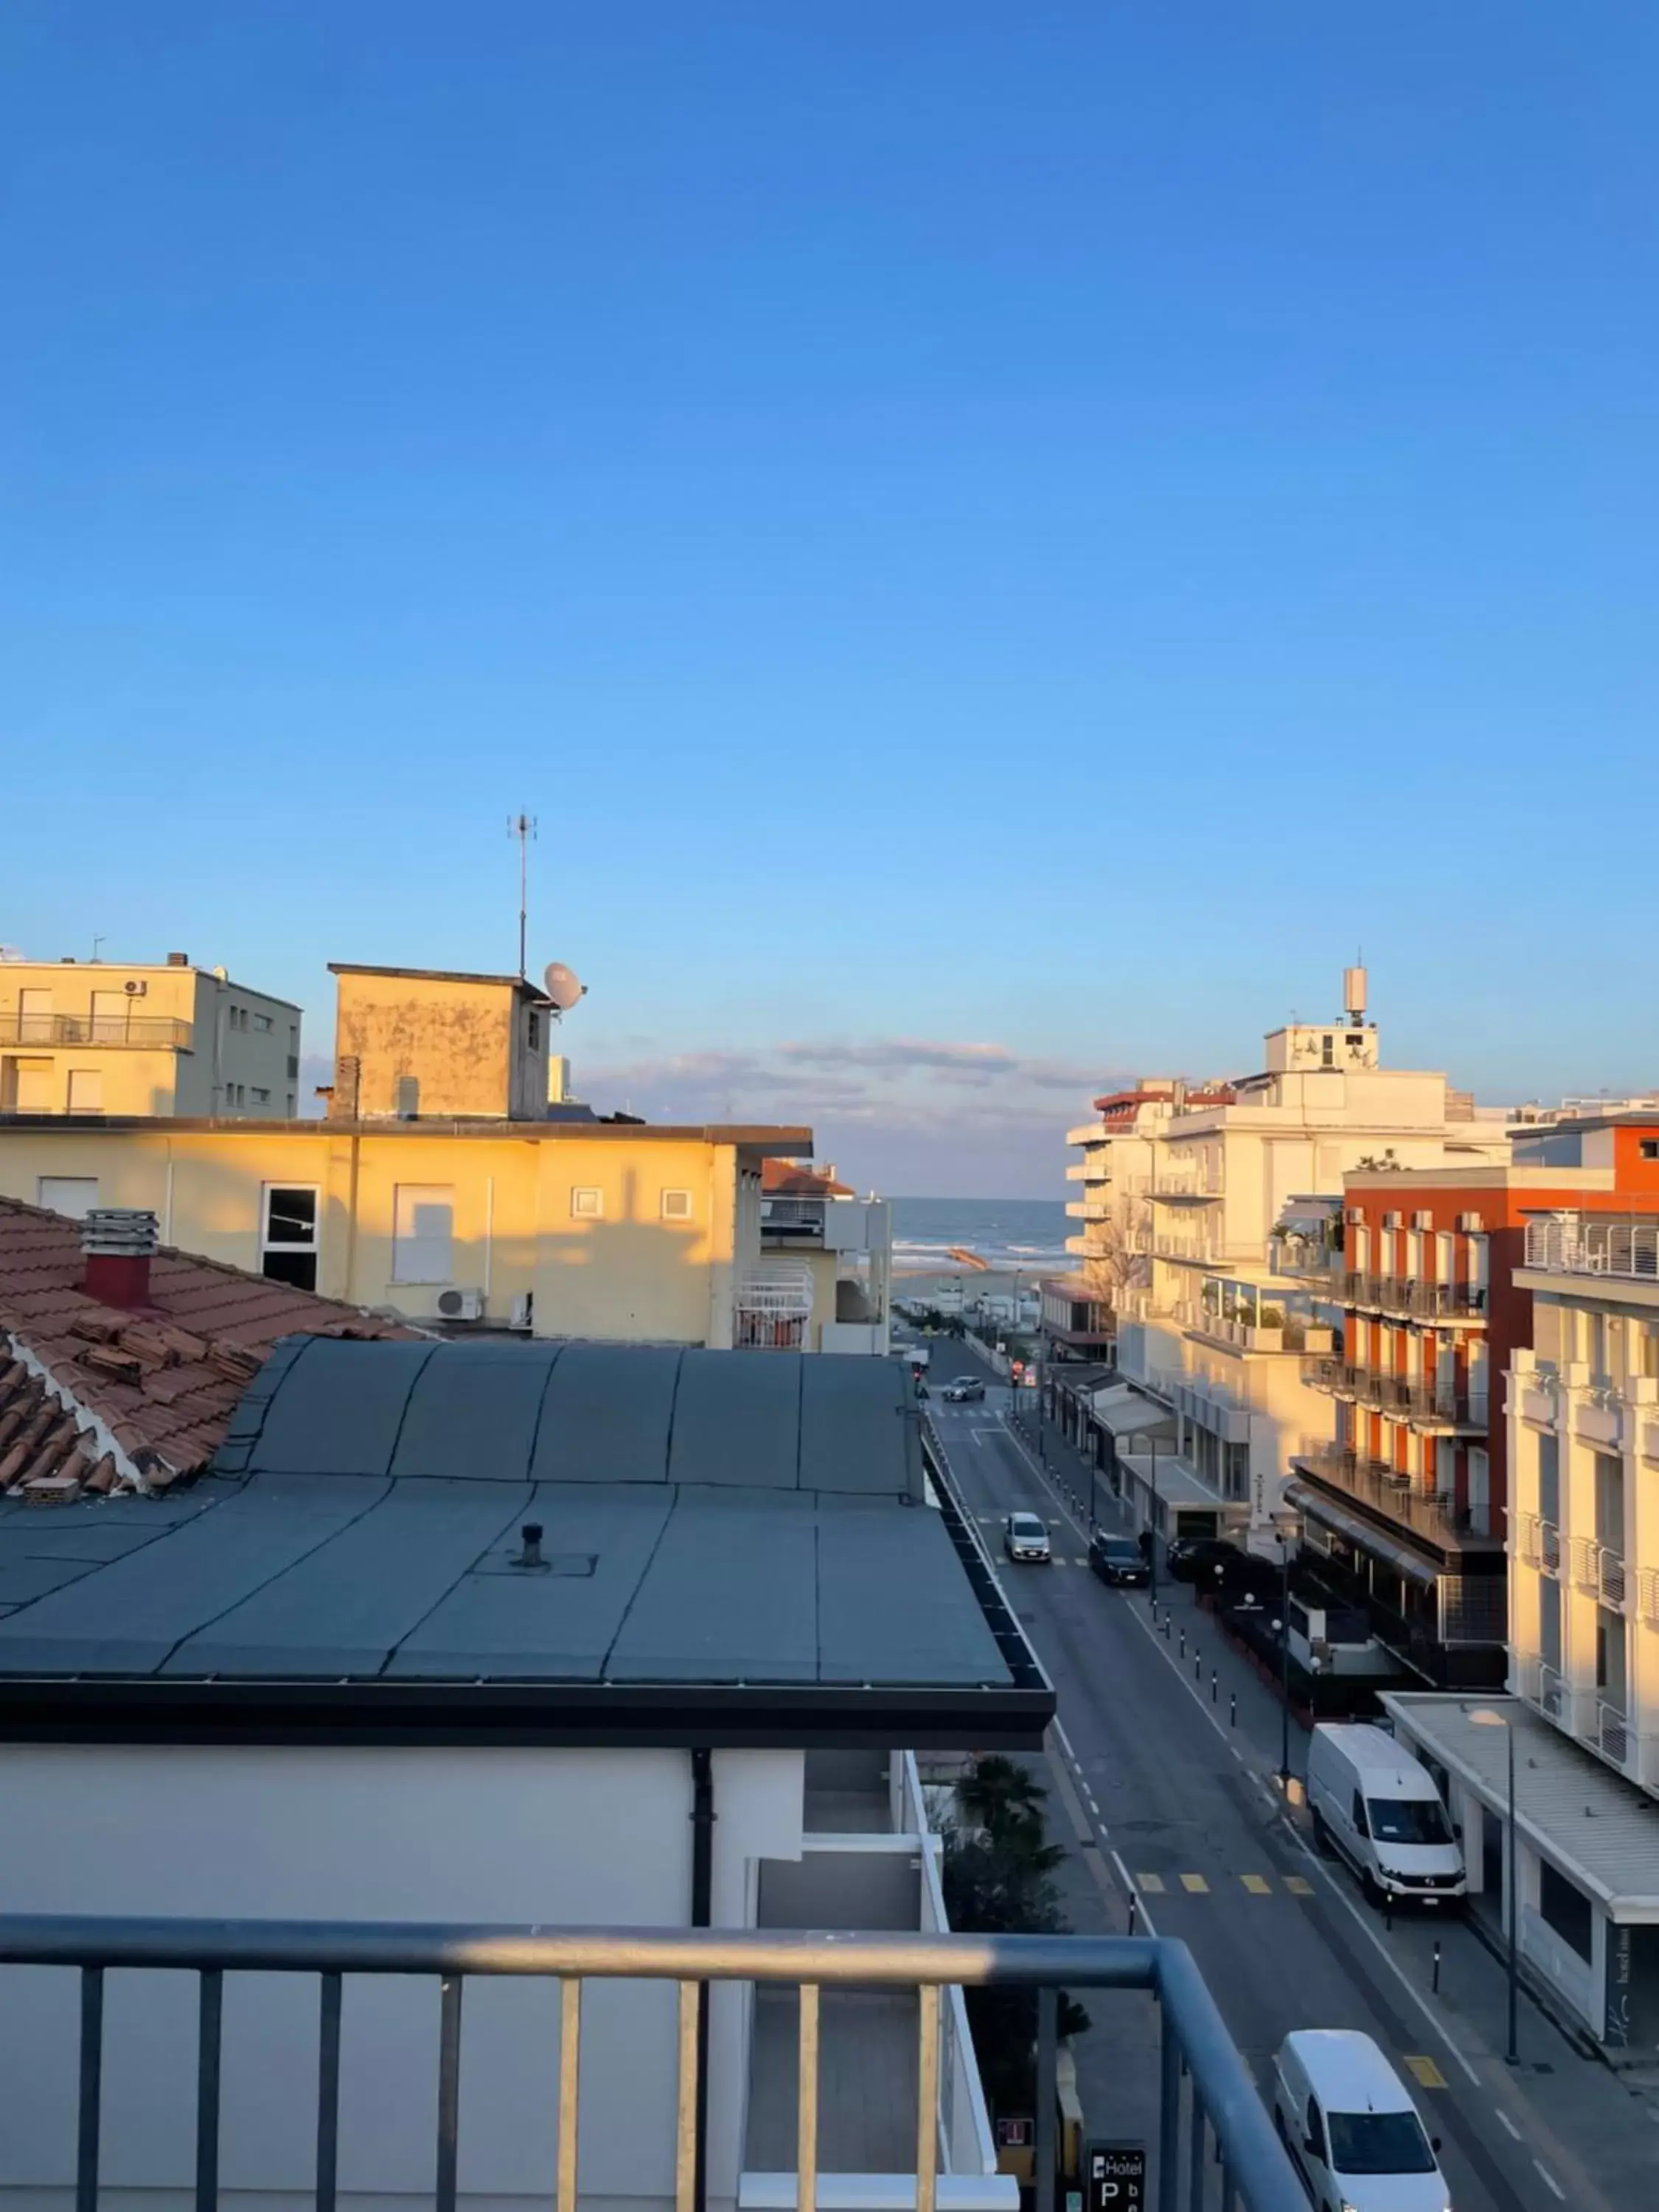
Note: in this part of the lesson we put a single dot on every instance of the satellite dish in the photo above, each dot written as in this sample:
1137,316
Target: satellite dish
563,986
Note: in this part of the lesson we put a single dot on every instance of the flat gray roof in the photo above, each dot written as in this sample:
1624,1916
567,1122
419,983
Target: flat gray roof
734,1519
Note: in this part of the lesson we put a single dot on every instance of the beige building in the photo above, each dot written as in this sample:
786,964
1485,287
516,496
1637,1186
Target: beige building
584,1228
417,1042
1183,1189
821,1239
85,1037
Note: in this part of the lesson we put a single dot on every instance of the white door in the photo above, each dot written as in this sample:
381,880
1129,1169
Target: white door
75,1195
34,1018
110,1011
86,1090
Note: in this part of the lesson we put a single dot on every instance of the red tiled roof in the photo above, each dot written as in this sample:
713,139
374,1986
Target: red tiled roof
163,1380
784,1179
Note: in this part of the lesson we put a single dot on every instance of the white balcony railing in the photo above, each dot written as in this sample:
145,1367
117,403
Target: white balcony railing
1541,1543
1647,1595
1601,1570
1583,1244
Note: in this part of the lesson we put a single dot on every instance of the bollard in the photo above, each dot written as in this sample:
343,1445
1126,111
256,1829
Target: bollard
1130,1929
1387,1910
1215,1686
1435,1982
1232,1709
1184,1644
1167,1618
1198,1668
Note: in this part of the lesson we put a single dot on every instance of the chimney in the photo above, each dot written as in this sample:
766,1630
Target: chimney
177,960
119,1243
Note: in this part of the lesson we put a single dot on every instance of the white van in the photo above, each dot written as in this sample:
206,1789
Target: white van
1374,1803
1352,2133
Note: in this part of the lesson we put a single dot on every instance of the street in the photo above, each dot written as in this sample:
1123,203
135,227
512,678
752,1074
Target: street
1168,1787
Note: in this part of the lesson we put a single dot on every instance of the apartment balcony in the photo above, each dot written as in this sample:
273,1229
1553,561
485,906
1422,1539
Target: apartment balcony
1088,1133
1600,1723
1408,1299
1591,1244
1195,1184
1318,1265
1601,1570
1334,1377
1083,1171
1539,1543
1296,1335
647,2132
1391,1494
1647,1595
1088,1209
1191,1251
137,1032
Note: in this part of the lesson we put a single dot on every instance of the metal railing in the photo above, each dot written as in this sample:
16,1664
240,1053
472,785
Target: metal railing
1541,1543
1208,2105
1409,1296
1391,1492
1601,1570
151,1030
1586,1245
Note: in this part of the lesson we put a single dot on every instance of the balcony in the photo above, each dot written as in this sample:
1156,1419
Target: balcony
138,1032
1587,1244
1088,1209
1539,1543
646,2132
1178,1183
1304,1261
1388,1492
1599,1569
1410,1298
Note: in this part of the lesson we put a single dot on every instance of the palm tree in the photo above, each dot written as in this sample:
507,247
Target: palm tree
998,1798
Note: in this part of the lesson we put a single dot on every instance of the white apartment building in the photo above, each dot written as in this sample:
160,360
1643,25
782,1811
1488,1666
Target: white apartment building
148,1038
1183,1189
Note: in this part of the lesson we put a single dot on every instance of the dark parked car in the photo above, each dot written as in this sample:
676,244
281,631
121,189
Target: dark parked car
1119,1559
1195,1559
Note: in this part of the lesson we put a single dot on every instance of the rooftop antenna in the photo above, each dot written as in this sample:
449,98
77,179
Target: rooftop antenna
96,942
523,826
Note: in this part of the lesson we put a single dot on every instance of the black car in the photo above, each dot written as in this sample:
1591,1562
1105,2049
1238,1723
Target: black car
1196,1559
1120,1560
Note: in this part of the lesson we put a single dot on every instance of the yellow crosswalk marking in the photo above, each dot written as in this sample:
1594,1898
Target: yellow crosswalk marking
1151,1884
1427,2072
1298,1885
1196,1884
1257,1884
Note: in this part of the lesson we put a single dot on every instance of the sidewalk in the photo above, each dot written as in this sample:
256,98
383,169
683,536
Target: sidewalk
1598,2129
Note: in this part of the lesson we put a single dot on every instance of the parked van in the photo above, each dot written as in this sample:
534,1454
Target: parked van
1374,1803
1352,2133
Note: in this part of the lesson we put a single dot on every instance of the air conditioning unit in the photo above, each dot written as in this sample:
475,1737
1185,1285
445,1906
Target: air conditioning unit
460,1305
1422,1221
524,1311
136,990
1471,1223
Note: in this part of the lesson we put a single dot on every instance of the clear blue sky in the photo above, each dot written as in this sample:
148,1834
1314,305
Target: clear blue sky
1032,526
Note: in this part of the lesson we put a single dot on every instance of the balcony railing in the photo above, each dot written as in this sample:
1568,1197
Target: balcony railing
1185,1183
1208,2106
1541,1543
1583,1244
1390,1492
1601,1570
1647,1595
151,1032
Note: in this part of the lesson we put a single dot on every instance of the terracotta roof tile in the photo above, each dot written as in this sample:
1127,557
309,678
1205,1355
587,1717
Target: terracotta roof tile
163,1381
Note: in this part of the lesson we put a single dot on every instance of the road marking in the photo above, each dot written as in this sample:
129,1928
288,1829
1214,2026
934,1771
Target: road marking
1298,1885
1257,1884
1080,1562
1428,2074
1135,1896
1549,2180
1152,1883
1508,2122
1196,1884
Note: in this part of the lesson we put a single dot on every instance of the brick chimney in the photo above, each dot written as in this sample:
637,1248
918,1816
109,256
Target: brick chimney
119,1243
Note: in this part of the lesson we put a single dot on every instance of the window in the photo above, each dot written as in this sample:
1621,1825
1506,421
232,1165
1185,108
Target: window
408,1098
1564,1907
287,1234
423,1230
1358,1810
290,1105
264,1023
1379,2143
1408,1821
1649,1148
588,1205
1327,1055
234,1093
86,1090
260,1098
75,1195
677,1205
535,1031
1316,2130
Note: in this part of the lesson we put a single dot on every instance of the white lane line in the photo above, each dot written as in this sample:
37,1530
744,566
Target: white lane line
1508,2122
1549,2180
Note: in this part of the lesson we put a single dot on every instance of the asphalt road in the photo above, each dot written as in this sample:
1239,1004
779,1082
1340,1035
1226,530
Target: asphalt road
1170,1804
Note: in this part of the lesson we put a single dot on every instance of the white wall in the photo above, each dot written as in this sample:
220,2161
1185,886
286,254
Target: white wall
587,1836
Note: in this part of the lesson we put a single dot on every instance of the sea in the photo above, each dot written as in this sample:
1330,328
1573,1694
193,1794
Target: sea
1024,1233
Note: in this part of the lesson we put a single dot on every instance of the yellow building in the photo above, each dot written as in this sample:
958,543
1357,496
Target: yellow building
420,1041
100,1036
573,1227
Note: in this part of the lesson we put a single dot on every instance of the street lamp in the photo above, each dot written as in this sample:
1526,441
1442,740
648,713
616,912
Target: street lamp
1152,1547
1484,1717
1288,1529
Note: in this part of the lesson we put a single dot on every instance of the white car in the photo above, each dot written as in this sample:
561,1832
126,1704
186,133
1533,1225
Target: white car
1025,1537
1352,2132
1377,1806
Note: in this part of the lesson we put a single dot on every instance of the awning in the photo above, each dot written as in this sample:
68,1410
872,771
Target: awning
1358,1530
1600,1830
1132,1415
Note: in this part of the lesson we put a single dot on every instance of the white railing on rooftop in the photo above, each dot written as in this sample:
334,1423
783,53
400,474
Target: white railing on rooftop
1584,1244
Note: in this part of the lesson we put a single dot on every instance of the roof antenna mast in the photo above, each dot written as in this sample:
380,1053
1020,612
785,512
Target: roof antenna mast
523,826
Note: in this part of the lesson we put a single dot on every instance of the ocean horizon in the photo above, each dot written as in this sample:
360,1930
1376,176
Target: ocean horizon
1028,1233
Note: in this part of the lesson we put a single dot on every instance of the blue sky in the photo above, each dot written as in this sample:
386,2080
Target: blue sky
1037,529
